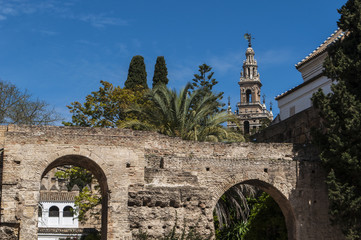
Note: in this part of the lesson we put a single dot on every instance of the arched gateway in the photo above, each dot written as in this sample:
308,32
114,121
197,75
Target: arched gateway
150,181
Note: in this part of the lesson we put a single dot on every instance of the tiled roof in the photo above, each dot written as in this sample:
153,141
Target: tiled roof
322,48
57,196
278,97
318,51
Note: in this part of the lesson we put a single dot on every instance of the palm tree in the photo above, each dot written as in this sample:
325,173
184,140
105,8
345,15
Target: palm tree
185,115
232,206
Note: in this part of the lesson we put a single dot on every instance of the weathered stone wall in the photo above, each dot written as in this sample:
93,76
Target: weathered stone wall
150,181
295,129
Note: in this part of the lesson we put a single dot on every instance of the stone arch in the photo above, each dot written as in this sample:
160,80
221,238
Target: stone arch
89,164
277,196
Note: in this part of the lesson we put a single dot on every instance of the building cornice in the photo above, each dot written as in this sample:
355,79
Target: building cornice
298,87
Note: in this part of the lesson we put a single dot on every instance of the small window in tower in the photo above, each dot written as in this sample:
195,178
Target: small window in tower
248,96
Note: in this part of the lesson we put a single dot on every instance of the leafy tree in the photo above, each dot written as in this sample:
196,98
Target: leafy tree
86,201
183,115
205,81
266,220
160,72
17,107
88,198
137,76
261,219
339,140
75,176
106,107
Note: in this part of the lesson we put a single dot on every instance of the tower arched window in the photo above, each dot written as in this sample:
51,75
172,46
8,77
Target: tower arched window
248,96
68,211
54,211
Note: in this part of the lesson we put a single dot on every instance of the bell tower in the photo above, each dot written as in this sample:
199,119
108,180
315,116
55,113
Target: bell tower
249,83
251,113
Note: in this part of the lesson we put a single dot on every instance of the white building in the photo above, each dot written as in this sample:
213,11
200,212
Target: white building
56,217
311,68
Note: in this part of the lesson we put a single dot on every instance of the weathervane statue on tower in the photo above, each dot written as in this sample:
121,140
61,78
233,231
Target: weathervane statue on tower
248,37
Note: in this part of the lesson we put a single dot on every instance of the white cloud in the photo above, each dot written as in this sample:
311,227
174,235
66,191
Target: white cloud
17,7
226,63
45,32
100,20
57,8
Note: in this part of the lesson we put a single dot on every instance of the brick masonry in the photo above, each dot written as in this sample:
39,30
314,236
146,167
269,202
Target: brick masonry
149,181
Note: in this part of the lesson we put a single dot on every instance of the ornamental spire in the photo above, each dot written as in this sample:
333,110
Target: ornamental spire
250,72
248,37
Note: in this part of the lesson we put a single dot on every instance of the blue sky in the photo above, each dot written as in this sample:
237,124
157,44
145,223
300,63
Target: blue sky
59,50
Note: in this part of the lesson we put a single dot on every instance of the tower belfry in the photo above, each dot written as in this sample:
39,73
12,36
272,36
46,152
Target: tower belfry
250,111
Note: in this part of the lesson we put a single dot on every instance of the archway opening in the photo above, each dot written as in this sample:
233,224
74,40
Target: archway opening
253,209
73,200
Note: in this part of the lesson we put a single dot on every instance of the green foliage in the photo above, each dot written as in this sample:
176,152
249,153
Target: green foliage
137,76
160,72
92,236
232,208
17,107
75,176
339,139
340,146
87,199
204,82
266,220
183,115
204,79
344,61
236,231
106,107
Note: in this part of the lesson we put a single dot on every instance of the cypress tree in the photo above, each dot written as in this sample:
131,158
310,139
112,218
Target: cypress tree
160,72
137,76
339,140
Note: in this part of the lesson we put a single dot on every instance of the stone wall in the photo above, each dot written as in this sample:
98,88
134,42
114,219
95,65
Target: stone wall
150,181
9,231
295,129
